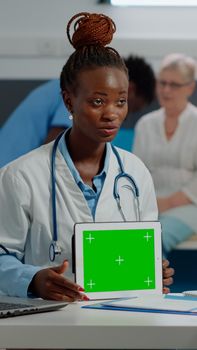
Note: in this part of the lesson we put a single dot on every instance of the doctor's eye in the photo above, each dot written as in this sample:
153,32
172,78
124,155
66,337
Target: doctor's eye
122,102
97,102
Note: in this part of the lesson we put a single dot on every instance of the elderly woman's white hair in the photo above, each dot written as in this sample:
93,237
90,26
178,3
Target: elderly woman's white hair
186,65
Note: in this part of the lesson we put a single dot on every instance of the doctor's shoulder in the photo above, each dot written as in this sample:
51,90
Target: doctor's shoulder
30,165
134,165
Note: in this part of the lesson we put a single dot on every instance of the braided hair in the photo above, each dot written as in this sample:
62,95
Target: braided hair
92,32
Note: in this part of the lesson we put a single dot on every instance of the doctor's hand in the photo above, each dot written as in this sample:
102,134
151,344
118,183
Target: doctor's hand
168,272
50,284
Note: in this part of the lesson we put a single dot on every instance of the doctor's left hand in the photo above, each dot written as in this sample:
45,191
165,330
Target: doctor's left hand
50,284
168,272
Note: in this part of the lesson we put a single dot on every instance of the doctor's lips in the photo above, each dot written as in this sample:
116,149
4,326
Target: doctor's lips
109,130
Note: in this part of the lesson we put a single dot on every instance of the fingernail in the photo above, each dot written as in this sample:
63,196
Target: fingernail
81,289
85,297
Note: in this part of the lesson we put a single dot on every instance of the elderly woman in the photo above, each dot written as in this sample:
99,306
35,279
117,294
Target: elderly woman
166,141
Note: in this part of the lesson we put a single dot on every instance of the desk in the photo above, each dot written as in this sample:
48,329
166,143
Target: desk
77,328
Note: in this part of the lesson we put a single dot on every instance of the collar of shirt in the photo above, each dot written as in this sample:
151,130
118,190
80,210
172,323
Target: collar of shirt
91,195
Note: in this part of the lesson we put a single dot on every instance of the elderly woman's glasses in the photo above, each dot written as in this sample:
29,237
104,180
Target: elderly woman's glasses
172,85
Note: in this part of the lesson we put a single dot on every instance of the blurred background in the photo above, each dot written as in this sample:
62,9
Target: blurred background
33,45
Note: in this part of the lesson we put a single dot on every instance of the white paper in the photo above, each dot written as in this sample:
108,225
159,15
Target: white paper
192,293
157,303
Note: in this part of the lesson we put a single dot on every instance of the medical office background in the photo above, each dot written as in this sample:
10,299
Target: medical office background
34,47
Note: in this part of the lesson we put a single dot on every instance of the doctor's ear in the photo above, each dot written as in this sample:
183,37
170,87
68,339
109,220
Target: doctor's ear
67,100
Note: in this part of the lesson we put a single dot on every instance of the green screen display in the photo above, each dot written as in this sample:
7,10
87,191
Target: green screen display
116,263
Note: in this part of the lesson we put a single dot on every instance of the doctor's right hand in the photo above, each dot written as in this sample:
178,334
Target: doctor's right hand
50,284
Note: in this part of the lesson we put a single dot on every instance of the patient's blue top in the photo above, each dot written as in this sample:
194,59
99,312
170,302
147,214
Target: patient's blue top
28,126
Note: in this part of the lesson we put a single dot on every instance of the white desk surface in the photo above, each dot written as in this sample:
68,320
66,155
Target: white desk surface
77,328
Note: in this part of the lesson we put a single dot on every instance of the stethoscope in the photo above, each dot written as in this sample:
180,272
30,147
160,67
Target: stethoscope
54,248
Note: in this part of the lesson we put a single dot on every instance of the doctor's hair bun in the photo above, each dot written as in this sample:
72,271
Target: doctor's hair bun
90,29
91,34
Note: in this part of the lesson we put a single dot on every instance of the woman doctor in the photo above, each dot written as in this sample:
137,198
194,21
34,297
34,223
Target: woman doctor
94,84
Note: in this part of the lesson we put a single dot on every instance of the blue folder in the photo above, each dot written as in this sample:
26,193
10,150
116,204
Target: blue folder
106,306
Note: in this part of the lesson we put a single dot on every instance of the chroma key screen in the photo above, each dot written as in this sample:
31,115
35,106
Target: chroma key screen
116,260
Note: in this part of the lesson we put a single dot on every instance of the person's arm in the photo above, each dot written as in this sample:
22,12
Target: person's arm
50,284
15,220
177,199
30,124
187,195
23,280
18,278
15,276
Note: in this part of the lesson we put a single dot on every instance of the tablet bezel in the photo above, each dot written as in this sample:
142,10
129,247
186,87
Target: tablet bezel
78,256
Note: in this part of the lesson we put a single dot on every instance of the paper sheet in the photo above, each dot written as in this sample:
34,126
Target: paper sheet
157,303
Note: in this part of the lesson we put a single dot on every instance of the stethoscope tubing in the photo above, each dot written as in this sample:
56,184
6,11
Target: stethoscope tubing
54,248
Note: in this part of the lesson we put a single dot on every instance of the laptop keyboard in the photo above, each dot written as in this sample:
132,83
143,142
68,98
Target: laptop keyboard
11,306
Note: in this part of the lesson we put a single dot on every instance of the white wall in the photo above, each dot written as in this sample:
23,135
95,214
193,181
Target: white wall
33,40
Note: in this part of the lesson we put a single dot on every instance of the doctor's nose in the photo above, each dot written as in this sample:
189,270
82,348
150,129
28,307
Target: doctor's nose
110,114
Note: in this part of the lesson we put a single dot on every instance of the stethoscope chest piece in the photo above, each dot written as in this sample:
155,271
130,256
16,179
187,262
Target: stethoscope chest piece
54,249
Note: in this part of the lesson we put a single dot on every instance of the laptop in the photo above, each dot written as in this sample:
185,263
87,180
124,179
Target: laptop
119,259
14,306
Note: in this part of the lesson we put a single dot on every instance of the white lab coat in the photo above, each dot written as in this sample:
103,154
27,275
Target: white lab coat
26,210
172,163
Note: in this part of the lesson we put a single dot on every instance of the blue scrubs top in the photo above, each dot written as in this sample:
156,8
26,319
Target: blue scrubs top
28,126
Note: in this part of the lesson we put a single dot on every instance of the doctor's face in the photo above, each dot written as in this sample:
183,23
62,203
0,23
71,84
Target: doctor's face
99,103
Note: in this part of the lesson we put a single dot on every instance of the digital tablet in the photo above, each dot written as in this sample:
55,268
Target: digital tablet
119,259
